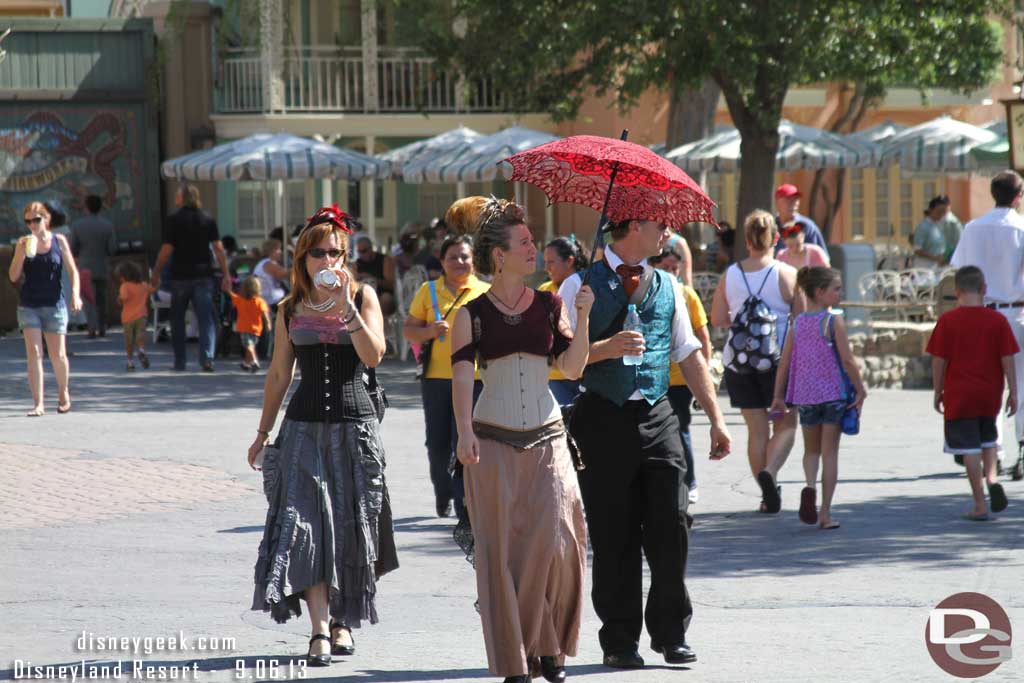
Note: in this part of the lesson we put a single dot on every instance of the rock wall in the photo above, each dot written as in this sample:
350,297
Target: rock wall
891,355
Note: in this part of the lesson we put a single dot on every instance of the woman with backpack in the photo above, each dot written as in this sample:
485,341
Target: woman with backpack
754,300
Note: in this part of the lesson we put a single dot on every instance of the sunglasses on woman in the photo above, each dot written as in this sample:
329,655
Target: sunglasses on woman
317,252
34,220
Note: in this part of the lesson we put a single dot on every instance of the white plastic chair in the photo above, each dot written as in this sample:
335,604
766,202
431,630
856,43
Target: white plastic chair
408,285
157,305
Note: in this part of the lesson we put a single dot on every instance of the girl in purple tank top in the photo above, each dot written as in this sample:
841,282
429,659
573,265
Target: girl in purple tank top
809,378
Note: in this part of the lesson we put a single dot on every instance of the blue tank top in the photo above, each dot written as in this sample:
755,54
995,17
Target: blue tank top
42,278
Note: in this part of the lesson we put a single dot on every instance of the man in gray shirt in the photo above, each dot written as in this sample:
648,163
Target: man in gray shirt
93,241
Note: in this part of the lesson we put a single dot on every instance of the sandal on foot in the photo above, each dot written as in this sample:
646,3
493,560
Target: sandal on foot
35,412
974,517
342,649
828,526
769,492
997,497
808,505
317,660
66,408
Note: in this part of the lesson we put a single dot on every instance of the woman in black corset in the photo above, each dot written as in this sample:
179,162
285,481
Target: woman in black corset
328,534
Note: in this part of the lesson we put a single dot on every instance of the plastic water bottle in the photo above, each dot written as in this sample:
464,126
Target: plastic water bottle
632,324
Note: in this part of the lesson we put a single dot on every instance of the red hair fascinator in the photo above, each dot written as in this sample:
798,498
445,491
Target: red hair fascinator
331,214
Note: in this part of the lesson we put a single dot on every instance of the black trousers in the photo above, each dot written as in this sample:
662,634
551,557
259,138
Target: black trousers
635,496
442,437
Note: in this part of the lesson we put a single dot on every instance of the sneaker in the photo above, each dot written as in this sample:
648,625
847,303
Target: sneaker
144,359
694,495
130,367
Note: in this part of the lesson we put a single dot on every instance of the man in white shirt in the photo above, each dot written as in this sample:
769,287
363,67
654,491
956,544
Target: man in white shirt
994,242
634,486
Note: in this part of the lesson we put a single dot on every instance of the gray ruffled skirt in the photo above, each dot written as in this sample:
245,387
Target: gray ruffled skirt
328,520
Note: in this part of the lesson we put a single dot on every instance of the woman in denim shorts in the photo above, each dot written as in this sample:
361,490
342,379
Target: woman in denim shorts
41,258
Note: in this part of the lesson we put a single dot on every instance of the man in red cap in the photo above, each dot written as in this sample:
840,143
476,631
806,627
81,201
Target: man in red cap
787,201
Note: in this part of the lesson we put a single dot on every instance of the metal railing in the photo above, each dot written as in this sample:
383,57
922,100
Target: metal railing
327,78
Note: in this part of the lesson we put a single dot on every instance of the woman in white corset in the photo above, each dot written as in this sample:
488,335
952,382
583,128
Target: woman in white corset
769,437
521,489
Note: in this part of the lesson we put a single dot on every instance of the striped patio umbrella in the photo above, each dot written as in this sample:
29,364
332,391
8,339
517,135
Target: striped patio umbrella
478,162
274,157
423,151
800,148
878,134
942,145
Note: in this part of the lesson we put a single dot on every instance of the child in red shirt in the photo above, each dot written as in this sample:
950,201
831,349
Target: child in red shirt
253,318
972,349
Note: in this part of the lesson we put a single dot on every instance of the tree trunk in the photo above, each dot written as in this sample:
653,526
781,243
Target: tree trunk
691,113
691,116
757,177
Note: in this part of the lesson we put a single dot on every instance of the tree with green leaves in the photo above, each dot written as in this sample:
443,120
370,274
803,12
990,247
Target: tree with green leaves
550,54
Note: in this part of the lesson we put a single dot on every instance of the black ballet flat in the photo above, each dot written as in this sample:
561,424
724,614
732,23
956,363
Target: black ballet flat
342,650
317,660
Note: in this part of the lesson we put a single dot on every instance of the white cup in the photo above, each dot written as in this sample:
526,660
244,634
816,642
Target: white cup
31,244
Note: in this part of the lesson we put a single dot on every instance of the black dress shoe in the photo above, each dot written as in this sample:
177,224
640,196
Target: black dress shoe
517,679
344,650
676,654
551,671
318,660
625,660
444,508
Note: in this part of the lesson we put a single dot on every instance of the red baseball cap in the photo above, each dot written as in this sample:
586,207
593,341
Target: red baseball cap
786,191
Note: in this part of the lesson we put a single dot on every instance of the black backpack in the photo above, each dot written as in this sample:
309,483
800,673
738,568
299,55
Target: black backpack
753,345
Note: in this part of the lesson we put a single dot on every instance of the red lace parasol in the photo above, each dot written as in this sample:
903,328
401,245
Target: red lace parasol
646,186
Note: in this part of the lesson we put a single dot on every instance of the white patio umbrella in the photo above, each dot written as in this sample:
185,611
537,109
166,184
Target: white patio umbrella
800,147
431,148
279,157
877,134
478,162
942,145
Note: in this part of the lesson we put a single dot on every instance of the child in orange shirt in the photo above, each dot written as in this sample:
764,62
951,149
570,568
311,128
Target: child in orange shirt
253,318
134,296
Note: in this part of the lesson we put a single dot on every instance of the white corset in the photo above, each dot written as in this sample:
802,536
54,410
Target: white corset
516,394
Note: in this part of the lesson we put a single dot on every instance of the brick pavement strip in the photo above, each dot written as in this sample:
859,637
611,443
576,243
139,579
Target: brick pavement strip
51,486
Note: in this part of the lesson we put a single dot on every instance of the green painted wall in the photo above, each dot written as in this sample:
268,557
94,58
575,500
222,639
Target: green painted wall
95,9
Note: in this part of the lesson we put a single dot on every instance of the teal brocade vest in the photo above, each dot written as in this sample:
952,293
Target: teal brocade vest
611,378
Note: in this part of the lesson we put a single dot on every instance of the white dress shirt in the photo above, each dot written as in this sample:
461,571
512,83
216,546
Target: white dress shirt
994,242
684,341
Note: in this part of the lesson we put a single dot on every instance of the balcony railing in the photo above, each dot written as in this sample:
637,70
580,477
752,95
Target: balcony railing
331,79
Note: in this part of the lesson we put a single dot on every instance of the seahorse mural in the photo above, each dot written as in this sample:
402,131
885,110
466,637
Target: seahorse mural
46,154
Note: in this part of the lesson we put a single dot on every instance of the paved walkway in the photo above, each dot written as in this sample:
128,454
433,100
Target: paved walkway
136,516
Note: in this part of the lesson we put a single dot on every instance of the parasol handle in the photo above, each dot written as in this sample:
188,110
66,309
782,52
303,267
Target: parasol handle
603,223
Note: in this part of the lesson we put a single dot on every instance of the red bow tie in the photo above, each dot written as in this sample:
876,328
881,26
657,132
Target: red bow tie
630,277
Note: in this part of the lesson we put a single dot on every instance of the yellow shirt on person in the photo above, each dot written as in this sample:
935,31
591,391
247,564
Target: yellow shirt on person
698,319
556,374
441,352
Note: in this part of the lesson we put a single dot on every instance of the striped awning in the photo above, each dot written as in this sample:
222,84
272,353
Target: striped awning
800,148
478,162
942,145
274,157
424,151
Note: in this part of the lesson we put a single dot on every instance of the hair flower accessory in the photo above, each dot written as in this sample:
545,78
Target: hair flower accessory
334,215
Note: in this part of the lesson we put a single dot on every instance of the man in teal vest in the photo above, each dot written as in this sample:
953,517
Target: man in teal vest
633,485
